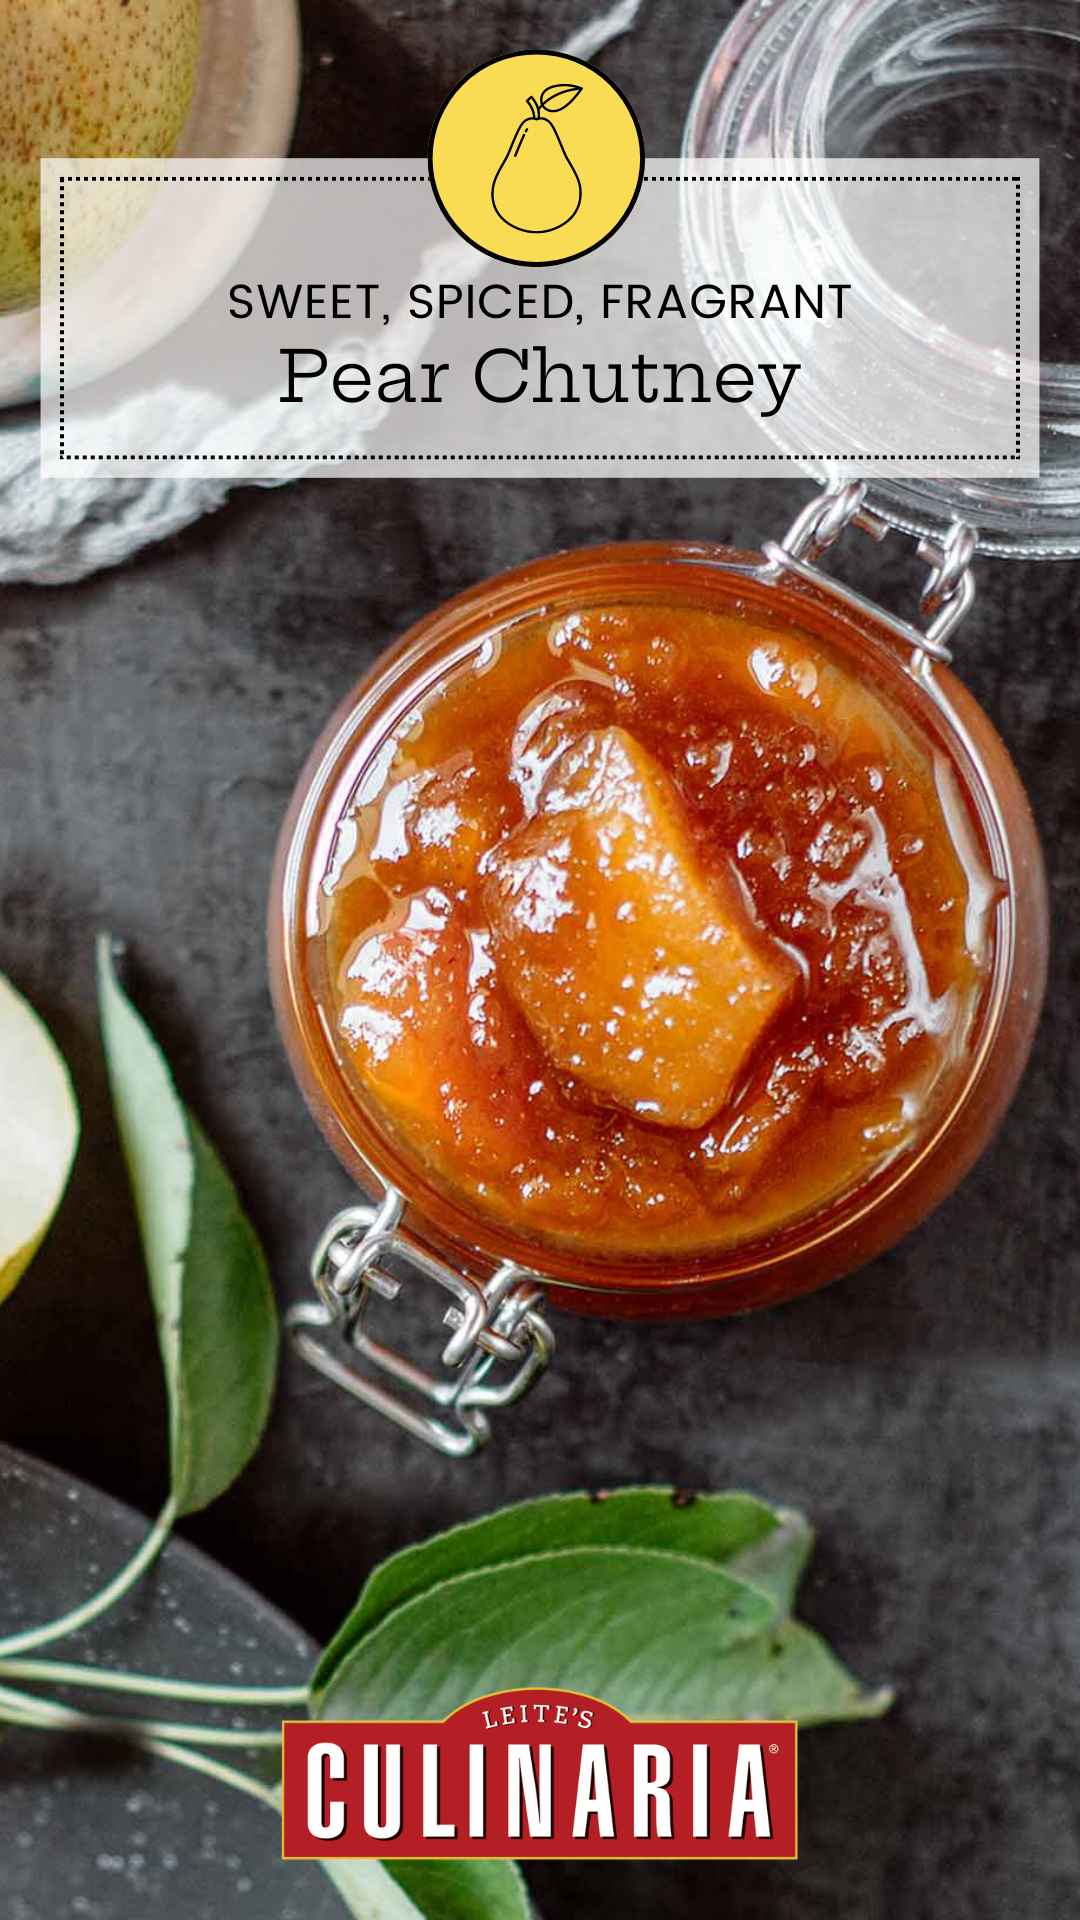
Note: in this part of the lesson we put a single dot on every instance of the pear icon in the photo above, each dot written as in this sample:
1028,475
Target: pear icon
537,188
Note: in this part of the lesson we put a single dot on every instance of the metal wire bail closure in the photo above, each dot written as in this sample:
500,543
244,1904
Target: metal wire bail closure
366,1254
950,585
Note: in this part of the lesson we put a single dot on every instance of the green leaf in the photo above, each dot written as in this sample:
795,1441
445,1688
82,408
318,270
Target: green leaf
763,1545
648,1632
662,1603
217,1325
775,1563
229,1334
436,1889
463,1889
789,1673
368,1890
39,1132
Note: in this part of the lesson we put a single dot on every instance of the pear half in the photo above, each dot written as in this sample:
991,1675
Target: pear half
83,79
39,1131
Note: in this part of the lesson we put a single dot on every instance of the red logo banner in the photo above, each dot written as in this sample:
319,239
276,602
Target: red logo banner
540,1774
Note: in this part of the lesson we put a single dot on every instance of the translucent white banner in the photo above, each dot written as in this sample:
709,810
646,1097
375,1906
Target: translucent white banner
872,319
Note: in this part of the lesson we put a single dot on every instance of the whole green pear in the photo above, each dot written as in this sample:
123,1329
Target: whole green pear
83,78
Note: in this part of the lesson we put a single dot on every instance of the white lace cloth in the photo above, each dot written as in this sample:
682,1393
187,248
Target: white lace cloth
52,531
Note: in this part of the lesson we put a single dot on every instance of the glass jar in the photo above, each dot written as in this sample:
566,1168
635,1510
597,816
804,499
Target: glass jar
416,1221
811,80
790,80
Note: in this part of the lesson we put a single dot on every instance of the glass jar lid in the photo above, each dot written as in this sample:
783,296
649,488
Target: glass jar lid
812,80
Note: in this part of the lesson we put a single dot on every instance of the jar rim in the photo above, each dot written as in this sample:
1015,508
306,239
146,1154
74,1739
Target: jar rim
399,680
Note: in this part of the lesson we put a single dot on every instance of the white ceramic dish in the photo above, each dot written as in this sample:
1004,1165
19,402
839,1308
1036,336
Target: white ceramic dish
245,103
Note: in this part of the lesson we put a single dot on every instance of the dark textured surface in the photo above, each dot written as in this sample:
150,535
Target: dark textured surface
925,1412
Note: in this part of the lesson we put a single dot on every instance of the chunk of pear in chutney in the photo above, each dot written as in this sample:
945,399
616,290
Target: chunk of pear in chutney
432,828
640,973
444,1079
84,79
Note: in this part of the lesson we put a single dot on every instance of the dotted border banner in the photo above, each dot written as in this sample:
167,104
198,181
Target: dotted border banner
691,175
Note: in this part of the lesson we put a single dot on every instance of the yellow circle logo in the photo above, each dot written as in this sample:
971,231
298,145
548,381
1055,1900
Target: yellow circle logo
536,158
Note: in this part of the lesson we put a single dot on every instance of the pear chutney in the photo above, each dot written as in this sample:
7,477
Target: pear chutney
653,924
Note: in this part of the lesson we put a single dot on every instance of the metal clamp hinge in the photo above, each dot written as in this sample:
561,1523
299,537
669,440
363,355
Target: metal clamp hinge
950,586
365,1255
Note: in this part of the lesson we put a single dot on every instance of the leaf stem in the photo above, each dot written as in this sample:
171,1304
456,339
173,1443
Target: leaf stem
100,1602
216,1770
31,1710
59,1673
21,1710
